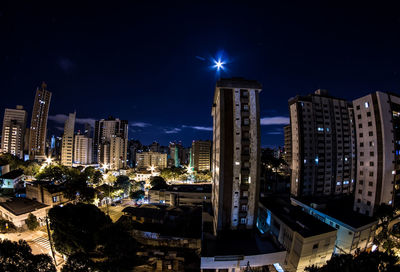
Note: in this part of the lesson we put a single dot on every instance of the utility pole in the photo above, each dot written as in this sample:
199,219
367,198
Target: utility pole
50,241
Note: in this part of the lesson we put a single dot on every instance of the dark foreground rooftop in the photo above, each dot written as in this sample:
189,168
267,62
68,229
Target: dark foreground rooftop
293,216
237,243
340,209
19,205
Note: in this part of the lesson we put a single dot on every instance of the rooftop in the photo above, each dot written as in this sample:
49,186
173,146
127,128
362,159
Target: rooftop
293,216
50,186
180,221
340,209
238,82
19,205
237,243
13,174
194,188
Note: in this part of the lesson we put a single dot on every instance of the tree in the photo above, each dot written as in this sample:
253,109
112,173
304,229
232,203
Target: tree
79,262
123,183
32,222
172,174
53,173
76,227
158,183
97,178
6,225
360,262
18,257
203,176
76,187
137,195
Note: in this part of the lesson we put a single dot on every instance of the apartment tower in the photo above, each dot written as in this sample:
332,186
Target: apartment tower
38,129
323,145
377,119
67,146
236,154
201,153
13,133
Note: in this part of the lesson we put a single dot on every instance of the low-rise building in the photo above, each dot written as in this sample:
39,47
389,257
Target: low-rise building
145,175
18,209
12,180
45,192
354,230
182,194
307,240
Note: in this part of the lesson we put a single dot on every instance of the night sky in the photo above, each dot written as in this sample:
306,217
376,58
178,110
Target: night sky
150,63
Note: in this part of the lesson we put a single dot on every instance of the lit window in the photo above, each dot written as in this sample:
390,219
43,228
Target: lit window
366,104
338,183
320,129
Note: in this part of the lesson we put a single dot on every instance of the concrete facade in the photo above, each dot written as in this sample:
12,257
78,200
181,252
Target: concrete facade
67,145
323,145
378,135
83,149
236,153
13,133
201,152
149,159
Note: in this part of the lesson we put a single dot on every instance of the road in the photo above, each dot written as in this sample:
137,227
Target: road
115,212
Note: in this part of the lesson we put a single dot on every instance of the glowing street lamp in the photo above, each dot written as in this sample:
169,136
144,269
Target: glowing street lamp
151,168
49,160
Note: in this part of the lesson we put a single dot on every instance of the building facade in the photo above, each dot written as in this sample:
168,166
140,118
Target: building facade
83,149
236,154
287,155
201,152
38,128
323,145
110,143
149,159
377,119
13,133
67,148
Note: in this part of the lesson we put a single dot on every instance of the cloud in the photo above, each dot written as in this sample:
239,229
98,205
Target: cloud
61,118
274,133
199,128
276,120
60,128
200,58
172,131
140,124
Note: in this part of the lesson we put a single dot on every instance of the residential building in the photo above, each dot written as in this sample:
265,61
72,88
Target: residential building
236,154
287,153
182,195
110,143
18,209
377,119
307,240
83,149
13,133
201,152
155,147
323,145
4,168
12,180
176,153
46,192
67,148
149,159
38,129
354,231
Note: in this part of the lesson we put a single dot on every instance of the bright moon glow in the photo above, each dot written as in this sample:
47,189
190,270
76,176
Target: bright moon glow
219,64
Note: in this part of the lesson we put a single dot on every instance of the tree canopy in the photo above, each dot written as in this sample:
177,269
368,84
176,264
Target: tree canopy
32,222
158,183
18,257
360,262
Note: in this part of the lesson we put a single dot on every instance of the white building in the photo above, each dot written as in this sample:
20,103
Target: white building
377,118
149,159
83,150
13,133
236,153
67,146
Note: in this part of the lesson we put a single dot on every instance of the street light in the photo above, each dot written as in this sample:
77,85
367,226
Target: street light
49,160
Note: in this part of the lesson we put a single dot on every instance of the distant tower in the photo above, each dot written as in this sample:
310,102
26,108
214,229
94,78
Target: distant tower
67,147
236,154
14,124
177,163
38,129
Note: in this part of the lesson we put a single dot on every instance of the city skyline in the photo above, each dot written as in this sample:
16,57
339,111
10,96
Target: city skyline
276,46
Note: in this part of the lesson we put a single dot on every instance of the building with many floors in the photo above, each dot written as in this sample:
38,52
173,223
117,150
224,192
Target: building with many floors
83,149
323,145
201,153
13,133
67,146
38,128
151,159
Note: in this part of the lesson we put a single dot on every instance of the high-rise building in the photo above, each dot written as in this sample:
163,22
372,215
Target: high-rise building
38,129
110,143
67,147
236,154
13,133
83,149
149,159
176,153
323,145
287,153
201,152
155,147
377,119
